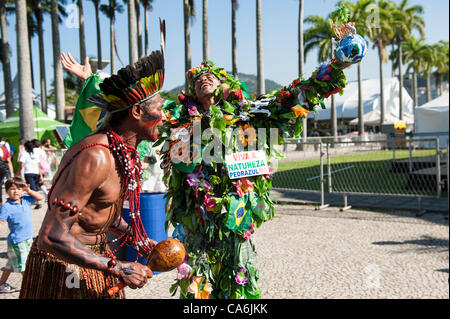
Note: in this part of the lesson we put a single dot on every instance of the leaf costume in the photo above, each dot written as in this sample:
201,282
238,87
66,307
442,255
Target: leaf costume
214,215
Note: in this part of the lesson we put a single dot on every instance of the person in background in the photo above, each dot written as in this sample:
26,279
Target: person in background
47,145
17,213
12,148
44,165
29,162
6,167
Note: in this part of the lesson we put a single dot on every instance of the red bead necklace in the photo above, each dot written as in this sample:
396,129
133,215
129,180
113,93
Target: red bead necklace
133,171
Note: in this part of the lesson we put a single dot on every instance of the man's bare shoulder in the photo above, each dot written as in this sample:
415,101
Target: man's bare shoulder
93,155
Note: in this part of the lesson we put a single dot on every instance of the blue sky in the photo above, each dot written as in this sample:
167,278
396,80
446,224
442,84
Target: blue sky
280,19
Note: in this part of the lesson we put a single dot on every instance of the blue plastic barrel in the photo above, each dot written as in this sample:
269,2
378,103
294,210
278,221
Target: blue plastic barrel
153,216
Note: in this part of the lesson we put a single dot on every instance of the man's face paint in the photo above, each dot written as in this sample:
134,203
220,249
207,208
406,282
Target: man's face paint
153,118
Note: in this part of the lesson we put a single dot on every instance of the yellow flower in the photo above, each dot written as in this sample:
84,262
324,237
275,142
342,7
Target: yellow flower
194,288
223,72
230,119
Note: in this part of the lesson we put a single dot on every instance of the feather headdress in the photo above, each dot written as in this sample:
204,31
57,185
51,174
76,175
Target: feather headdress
134,83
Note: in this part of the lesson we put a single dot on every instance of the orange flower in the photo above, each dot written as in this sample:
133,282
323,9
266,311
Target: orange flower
247,134
299,111
194,288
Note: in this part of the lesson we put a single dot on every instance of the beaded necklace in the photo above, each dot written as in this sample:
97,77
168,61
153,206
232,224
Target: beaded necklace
133,170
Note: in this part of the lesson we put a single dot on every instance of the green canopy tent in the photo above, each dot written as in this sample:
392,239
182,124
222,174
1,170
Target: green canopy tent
43,127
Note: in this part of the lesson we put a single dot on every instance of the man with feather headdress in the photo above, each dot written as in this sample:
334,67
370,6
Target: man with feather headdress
70,258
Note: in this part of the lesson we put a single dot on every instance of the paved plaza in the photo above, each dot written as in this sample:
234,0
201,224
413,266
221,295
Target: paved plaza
306,253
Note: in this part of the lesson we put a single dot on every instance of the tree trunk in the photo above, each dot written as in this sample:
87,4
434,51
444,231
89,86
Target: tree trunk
81,31
31,58
360,104
146,29
301,61
187,41
205,31
24,70
414,85
333,120
382,110
57,67
9,100
259,50
43,78
400,79
112,36
139,27
133,51
233,38
428,84
99,39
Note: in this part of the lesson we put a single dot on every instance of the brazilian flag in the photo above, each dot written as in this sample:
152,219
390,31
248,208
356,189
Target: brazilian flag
87,115
239,213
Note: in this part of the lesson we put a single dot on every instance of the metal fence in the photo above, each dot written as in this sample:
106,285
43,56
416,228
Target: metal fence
376,165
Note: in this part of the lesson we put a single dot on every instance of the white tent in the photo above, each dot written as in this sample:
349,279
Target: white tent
347,104
373,118
36,101
432,117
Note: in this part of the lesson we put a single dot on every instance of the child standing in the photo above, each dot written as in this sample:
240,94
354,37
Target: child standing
16,211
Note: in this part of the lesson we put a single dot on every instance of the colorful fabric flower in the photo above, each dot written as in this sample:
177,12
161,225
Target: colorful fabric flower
299,111
237,95
196,179
184,270
243,186
209,202
194,288
247,134
241,277
248,233
193,111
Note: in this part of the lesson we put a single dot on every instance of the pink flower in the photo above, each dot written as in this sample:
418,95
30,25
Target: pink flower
184,270
209,202
241,278
248,233
193,111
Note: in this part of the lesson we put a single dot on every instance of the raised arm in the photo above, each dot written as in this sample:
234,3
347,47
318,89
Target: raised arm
72,66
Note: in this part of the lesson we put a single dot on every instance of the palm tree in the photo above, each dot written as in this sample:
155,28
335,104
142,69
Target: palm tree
58,74
81,30
97,23
405,19
147,7
205,37
39,8
23,63
139,27
441,63
133,49
189,13
261,87
414,52
4,57
320,35
110,11
234,7
430,57
381,35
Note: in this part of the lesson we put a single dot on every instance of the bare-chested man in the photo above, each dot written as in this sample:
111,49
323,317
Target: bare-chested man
70,258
